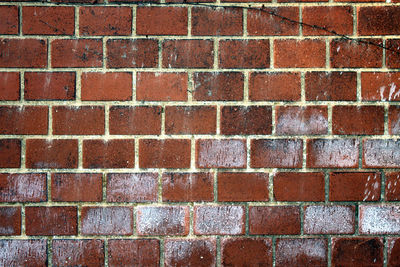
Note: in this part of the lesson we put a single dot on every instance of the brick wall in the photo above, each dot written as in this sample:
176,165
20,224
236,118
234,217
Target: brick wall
200,134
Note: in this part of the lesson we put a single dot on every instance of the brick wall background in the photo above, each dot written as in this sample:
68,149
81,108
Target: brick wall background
226,133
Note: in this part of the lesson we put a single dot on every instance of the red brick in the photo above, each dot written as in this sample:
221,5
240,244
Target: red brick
97,21
10,221
378,20
106,86
380,153
276,153
332,153
299,186
331,86
19,252
217,21
83,252
218,86
393,252
23,53
246,1
354,186
127,53
392,188
236,186
274,220
76,53
78,1
294,53
9,23
152,20
338,19
190,252
355,54
301,1
357,252
24,187
135,120
162,220
393,53
219,220
300,120
137,252
187,187
23,119
301,252
51,220
190,119
52,20
380,86
49,86
51,153
239,54
132,187
78,120
246,252
225,153
394,119
164,153
244,120
76,187
188,54
107,221
364,120
115,153
10,153
274,86
262,22
375,220
9,86
158,86
321,220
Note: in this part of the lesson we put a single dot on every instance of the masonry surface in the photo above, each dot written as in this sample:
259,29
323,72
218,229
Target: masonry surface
228,133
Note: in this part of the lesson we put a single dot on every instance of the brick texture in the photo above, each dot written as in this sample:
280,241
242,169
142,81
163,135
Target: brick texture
200,133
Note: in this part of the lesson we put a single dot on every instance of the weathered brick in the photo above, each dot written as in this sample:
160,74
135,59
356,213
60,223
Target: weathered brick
23,119
97,21
9,86
224,153
164,153
78,120
10,221
274,86
329,220
393,53
158,86
236,186
380,86
190,119
24,187
135,120
187,187
392,188
115,153
23,53
375,220
137,252
219,220
10,153
51,153
276,153
393,252
380,153
162,220
332,153
378,20
247,54
107,220
274,220
48,20
83,252
190,252
394,119
132,187
299,186
354,186
73,187
217,21
49,86
9,23
153,20
245,120
19,252
60,220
